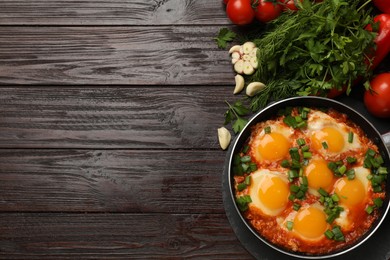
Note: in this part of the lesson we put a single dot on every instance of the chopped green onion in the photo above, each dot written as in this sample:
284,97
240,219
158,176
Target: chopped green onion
295,164
301,124
244,167
290,121
301,141
289,225
325,145
377,189
292,174
369,209
245,149
253,166
296,206
294,153
294,188
350,174
323,192
300,194
382,170
351,160
267,130
243,201
335,198
342,169
298,119
350,137
241,186
378,202
247,180
245,159
338,235
305,181
329,234
332,166
307,155
370,152
305,148
285,164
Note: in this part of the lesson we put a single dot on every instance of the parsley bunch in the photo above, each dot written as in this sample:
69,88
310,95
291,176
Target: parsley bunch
322,46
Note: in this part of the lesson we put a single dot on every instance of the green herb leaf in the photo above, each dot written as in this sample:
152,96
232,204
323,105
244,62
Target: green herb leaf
225,35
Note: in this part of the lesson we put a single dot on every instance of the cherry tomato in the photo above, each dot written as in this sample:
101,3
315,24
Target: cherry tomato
225,1
267,11
289,4
240,12
377,101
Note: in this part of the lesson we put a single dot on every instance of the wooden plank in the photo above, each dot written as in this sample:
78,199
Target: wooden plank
118,236
111,181
108,117
104,55
112,12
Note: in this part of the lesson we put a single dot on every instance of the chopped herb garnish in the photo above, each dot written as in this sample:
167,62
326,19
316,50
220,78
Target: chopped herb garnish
289,225
267,130
245,159
285,164
325,145
301,141
243,201
369,209
241,186
350,137
296,206
307,155
350,174
351,160
245,149
378,202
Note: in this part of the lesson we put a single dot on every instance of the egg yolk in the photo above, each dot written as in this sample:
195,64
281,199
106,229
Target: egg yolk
350,192
310,222
331,136
274,192
273,146
319,175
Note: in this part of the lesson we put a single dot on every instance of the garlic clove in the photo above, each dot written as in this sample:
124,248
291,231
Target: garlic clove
254,62
224,137
248,68
248,47
235,48
239,84
254,88
235,57
253,53
239,66
246,57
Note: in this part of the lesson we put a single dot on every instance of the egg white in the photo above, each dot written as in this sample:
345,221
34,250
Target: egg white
257,180
344,220
283,222
318,120
258,133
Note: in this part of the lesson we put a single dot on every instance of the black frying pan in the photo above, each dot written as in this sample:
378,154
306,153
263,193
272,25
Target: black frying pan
267,113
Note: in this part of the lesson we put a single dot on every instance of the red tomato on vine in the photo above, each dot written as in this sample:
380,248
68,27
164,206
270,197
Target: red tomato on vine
267,11
240,12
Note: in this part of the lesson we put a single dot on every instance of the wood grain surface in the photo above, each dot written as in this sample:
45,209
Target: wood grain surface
108,118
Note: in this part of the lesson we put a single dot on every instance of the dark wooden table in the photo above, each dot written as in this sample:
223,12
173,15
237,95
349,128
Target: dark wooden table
108,118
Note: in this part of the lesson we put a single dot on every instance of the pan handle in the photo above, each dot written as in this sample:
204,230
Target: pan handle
386,139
